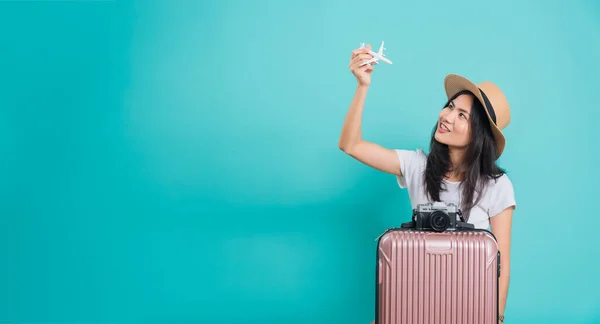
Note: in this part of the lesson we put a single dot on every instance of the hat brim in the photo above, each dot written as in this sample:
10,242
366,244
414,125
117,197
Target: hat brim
455,83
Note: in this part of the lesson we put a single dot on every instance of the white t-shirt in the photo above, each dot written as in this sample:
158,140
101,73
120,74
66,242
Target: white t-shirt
498,195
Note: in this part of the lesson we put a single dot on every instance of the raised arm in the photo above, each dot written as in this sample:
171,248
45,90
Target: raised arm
351,141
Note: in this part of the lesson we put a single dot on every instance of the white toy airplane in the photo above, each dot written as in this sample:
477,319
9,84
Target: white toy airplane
376,56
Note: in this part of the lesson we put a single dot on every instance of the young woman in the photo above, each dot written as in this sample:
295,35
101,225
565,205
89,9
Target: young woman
461,165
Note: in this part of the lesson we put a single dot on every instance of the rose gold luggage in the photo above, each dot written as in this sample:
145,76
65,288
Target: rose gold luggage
447,276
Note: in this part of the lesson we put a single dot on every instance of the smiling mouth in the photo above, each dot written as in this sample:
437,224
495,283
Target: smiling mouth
444,127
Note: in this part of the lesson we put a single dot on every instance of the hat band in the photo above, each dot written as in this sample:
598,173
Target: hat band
489,106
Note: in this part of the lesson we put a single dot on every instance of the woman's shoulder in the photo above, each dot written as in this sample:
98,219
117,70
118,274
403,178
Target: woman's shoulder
501,182
500,186
413,154
412,164
500,194
413,159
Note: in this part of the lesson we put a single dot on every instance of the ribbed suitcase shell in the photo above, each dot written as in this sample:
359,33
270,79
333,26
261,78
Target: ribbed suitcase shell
437,277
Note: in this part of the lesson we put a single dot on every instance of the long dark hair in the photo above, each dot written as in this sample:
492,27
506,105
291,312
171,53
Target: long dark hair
479,163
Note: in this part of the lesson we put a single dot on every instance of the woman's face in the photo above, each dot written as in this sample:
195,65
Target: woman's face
454,122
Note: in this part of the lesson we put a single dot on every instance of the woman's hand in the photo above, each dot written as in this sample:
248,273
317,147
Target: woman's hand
362,73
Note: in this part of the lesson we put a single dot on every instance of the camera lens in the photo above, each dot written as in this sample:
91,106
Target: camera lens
439,221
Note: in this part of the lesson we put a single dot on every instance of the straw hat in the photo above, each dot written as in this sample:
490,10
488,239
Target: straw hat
492,99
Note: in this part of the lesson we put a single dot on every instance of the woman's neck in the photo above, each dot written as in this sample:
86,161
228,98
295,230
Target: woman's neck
456,159
453,177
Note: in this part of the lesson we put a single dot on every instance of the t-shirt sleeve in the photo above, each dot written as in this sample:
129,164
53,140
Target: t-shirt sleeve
410,163
503,197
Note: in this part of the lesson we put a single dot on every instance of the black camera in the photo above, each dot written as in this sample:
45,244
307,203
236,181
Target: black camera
438,217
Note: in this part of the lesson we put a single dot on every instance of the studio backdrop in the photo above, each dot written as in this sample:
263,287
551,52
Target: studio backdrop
178,161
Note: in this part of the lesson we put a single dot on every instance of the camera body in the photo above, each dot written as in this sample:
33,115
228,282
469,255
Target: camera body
438,217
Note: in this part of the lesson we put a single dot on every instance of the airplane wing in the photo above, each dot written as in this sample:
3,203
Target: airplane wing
380,49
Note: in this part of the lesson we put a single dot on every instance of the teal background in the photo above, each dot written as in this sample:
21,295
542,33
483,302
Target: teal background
177,161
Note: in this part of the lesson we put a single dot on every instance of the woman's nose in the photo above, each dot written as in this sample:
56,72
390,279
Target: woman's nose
448,118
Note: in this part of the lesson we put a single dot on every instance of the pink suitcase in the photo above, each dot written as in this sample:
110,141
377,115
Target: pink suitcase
447,275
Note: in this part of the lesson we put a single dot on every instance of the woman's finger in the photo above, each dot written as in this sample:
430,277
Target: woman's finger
361,57
358,59
359,51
